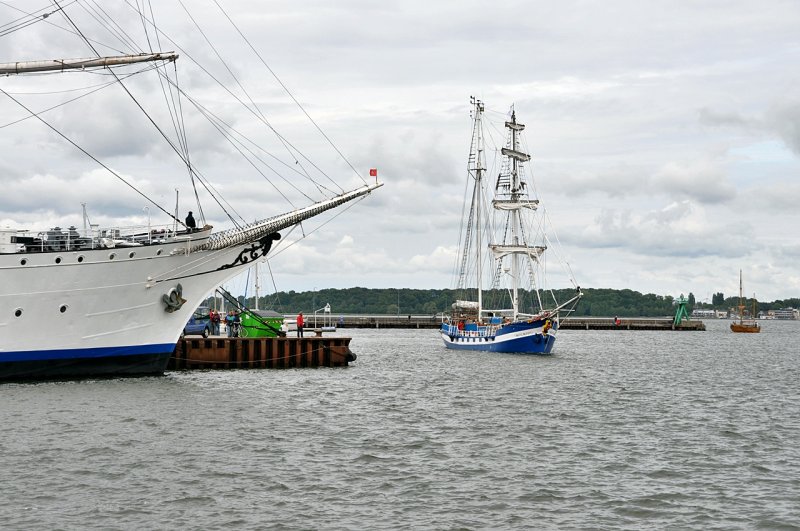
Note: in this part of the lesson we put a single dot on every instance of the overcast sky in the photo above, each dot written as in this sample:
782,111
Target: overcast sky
665,135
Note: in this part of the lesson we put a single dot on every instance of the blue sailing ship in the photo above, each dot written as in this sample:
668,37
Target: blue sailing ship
507,315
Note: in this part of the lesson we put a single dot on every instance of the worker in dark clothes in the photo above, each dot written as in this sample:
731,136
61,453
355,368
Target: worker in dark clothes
190,223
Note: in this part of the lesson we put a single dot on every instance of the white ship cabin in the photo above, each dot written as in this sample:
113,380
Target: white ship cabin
784,314
700,313
57,239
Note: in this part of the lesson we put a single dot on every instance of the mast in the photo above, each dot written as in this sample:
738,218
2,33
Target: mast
26,67
471,224
514,154
479,169
741,306
741,295
511,197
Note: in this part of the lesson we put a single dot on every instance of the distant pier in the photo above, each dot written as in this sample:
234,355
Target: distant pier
571,323
261,353
637,323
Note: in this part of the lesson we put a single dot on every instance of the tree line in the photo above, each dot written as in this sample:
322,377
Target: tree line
596,302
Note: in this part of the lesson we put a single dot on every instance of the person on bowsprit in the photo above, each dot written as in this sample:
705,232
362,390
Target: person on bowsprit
300,324
190,222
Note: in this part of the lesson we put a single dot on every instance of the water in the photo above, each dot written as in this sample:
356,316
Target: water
617,430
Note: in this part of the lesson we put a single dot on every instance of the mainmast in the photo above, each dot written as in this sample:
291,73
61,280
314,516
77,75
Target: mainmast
513,187
26,67
741,306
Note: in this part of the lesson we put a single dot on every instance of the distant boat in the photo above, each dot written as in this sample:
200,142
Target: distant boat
745,325
509,316
327,322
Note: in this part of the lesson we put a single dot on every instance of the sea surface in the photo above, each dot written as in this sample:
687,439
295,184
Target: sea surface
616,430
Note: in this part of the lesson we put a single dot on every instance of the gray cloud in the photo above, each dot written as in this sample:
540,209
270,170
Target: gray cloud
650,141
781,121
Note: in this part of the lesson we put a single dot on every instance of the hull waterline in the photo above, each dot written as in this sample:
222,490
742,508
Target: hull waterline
517,338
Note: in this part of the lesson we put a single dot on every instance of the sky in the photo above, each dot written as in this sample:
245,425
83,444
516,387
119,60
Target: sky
665,135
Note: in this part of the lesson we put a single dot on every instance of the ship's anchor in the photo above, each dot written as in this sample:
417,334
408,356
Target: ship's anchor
173,299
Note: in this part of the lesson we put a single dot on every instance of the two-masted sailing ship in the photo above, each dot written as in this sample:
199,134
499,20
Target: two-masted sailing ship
502,267
743,325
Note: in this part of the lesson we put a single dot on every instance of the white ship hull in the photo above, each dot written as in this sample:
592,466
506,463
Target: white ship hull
121,310
96,304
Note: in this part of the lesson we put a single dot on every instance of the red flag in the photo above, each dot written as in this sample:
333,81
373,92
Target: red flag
373,172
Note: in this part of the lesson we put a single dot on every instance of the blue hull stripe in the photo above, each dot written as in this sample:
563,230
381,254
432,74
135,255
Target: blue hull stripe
530,343
86,353
526,345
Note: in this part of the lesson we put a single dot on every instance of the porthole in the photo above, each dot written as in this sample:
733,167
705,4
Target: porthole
131,254
158,253
63,308
58,259
18,312
112,256
24,261
80,259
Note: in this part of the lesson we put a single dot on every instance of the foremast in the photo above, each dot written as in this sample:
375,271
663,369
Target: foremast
475,170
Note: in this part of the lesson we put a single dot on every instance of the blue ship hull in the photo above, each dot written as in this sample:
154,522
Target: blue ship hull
117,361
520,337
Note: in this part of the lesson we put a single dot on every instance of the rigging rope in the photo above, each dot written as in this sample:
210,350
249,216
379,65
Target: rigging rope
94,10
65,137
288,92
28,20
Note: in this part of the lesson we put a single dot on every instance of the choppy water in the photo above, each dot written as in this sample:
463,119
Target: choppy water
617,430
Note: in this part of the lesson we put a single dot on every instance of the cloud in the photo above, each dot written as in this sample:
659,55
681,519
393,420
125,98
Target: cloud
785,121
781,121
703,180
678,230
28,198
649,142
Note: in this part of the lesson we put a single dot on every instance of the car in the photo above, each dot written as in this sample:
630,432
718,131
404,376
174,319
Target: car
198,324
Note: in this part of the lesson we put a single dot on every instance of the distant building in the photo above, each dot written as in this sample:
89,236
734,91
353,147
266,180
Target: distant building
786,314
703,314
